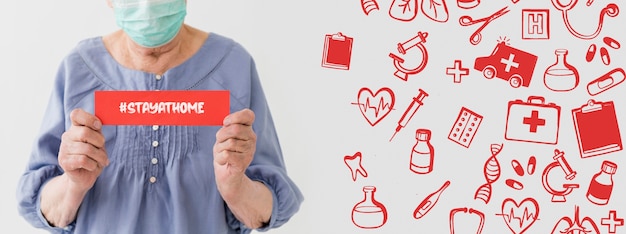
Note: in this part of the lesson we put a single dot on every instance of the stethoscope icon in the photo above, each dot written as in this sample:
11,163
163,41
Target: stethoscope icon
417,41
611,10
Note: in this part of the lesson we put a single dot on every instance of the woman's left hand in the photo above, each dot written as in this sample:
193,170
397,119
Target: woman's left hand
234,150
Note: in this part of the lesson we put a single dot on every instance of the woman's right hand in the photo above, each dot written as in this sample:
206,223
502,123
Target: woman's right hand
82,154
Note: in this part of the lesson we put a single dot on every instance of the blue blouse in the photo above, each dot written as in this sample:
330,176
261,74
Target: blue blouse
161,178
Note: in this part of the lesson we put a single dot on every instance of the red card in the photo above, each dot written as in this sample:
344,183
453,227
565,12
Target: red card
162,107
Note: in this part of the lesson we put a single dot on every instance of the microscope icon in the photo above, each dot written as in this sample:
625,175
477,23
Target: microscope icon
560,161
418,41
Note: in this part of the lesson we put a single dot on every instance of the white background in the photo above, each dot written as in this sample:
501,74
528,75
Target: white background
312,107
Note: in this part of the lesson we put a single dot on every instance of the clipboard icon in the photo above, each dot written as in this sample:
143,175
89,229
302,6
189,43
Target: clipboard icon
597,129
337,51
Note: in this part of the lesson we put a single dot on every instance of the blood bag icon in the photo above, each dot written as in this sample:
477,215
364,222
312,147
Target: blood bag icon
369,213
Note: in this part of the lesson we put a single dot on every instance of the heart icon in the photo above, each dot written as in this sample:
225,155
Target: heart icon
375,106
519,217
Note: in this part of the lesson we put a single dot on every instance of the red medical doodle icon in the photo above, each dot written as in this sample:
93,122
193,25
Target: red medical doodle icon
481,217
604,53
561,76
423,154
467,20
491,170
465,127
519,217
611,10
375,106
532,121
531,165
457,71
612,222
418,41
368,6
429,202
535,24
566,225
369,213
467,4
435,10
410,111
596,128
509,64
519,170
558,194
606,81
403,10
337,51
354,164
601,185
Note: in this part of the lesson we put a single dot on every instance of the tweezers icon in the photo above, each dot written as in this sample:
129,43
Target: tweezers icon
467,20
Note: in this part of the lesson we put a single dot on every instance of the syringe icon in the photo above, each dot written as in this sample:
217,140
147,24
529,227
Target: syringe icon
410,111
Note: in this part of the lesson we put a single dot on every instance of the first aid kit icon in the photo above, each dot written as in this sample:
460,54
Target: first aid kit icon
533,121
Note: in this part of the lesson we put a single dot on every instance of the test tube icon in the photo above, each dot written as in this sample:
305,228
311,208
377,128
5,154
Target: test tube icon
416,103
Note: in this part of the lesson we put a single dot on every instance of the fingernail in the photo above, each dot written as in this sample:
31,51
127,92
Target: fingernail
227,120
97,124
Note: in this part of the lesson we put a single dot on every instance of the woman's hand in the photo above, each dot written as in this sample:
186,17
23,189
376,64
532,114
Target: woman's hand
234,150
82,154
82,157
250,201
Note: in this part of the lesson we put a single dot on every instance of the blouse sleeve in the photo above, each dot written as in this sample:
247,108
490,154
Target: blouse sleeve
268,164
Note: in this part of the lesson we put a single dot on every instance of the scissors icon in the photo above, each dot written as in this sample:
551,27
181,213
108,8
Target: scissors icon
476,36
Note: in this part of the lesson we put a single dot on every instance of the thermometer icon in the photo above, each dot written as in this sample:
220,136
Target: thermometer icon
410,111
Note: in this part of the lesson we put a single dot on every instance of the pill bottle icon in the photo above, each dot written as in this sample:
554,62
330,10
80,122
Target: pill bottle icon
601,185
423,153
369,213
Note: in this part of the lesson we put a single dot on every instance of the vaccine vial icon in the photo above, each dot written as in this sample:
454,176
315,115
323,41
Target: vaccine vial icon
601,184
423,153
369,213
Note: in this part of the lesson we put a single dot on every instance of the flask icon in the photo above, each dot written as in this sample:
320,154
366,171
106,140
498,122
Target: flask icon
601,185
423,153
561,76
369,213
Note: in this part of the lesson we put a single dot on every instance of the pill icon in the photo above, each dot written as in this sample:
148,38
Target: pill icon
611,42
514,184
517,167
591,52
604,54
532,163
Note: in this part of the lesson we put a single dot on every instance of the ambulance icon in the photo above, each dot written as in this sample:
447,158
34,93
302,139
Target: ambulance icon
509,64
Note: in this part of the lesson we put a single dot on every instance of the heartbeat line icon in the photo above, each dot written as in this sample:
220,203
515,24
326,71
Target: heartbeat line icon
526,216
382,106
383,100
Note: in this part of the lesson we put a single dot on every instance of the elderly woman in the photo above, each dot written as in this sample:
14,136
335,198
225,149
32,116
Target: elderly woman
83,177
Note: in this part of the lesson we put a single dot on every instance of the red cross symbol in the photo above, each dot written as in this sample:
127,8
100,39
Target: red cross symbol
534,121
612,222
457,71
509,62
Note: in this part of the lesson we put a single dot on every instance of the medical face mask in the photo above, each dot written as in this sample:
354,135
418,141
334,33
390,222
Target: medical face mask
150,23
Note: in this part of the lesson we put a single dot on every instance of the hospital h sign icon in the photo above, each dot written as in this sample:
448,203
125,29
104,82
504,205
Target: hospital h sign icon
535,24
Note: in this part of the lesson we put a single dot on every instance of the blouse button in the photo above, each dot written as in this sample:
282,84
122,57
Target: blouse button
154,160
155,143
155,127
158,77
152,179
